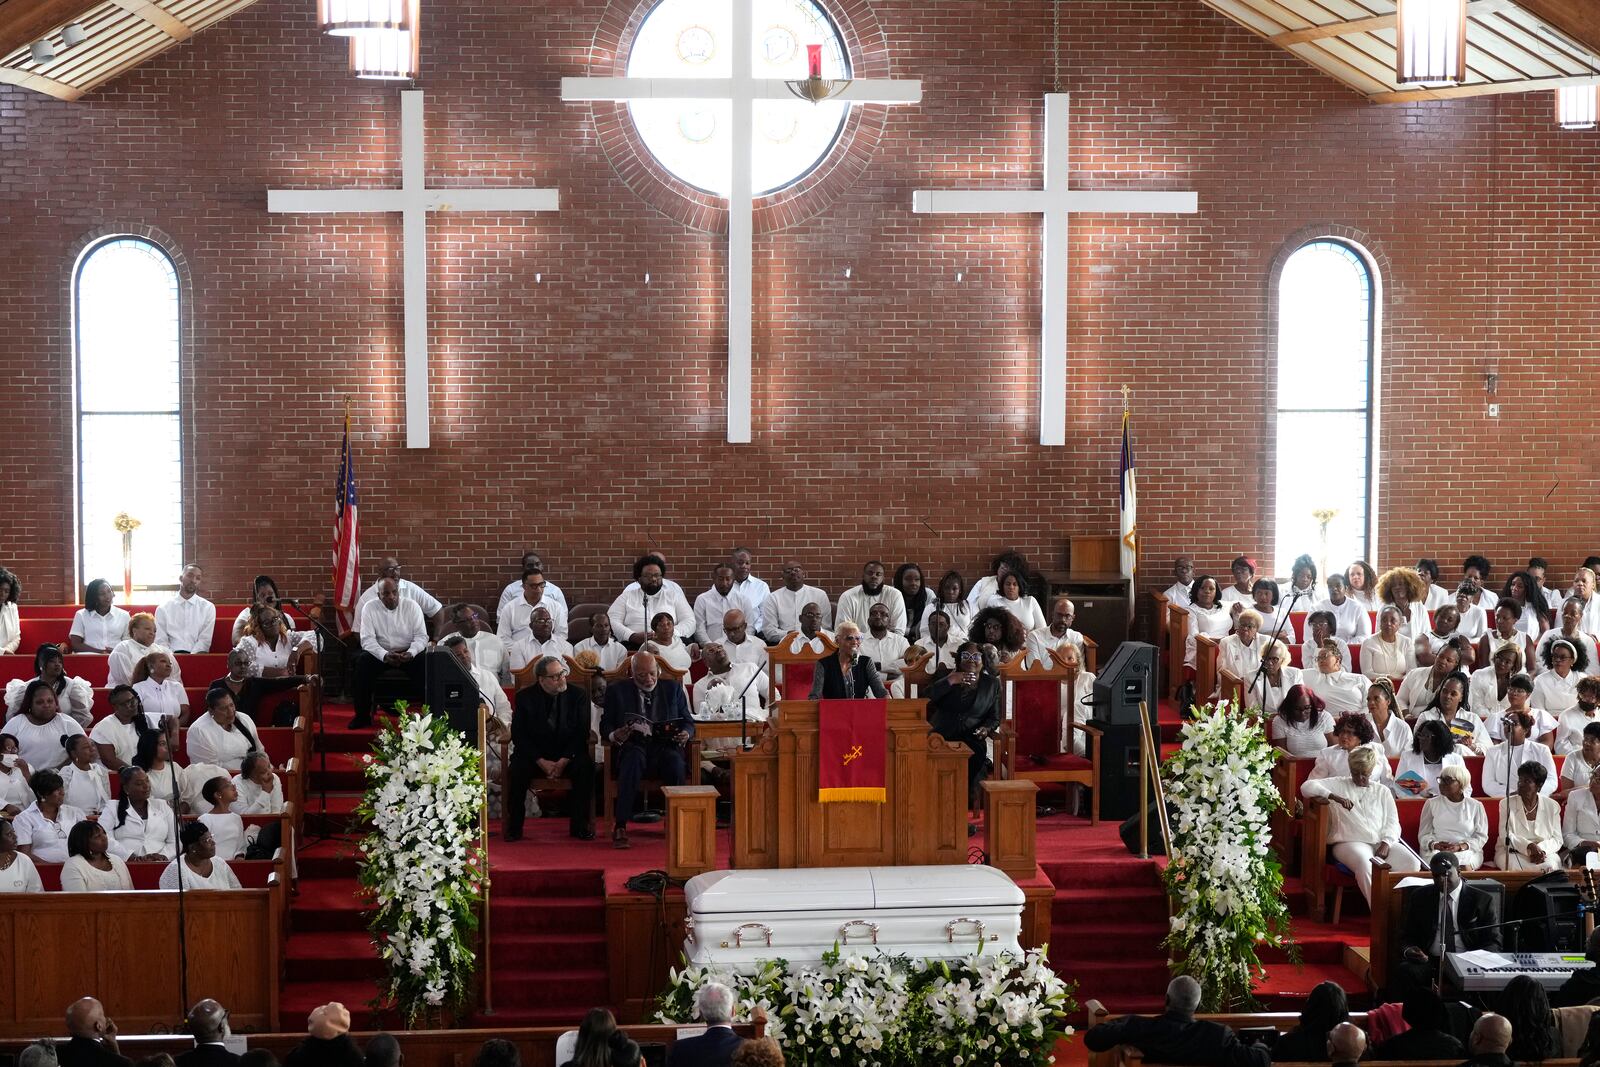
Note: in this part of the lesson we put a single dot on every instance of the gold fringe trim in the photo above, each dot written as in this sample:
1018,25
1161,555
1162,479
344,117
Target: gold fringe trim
860,794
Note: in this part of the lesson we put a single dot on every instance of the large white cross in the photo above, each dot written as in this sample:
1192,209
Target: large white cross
1056,202
413,200
744,89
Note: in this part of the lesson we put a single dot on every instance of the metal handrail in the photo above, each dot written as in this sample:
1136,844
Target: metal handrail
1150,774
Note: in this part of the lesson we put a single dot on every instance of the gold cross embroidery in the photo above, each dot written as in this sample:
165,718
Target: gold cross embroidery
852,754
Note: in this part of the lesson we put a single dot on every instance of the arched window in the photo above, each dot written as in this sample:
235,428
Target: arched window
1327,404
126,318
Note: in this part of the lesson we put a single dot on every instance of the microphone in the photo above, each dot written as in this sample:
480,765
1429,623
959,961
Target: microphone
289,600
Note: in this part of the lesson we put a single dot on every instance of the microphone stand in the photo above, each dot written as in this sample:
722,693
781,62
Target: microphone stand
1277,633
744,742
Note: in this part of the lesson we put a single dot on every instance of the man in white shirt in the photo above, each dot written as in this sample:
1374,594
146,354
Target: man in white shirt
539,641
718,694
885,648
185,623
1043,642
514,617
753,590
552,591
1177,593
408,591
856,603
941,642
711,605
632,611
488,651
393,635
739,645
607,649
786,603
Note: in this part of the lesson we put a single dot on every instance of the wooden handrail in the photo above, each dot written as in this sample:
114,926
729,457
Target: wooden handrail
1150,772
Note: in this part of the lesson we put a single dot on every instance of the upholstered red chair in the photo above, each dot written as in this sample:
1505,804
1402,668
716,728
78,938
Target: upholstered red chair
1030,745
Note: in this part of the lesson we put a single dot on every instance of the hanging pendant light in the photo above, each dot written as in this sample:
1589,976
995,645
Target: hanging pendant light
389,55
350,18
1431,42
1576,106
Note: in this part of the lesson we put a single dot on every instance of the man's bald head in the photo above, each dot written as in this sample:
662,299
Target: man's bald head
86,1018
1183,995
208,1021
733,624
1491,1034
645,670
1347,1042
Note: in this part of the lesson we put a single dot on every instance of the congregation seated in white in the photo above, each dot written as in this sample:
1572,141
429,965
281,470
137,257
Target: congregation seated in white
788,600
198,864
74,695
409,590
131,651
855,604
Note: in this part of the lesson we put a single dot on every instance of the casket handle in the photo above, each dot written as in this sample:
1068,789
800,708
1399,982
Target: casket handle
761,928
950,928
871,928
688,930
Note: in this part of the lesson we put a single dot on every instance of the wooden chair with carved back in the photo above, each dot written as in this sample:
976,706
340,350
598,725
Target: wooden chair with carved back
1041,703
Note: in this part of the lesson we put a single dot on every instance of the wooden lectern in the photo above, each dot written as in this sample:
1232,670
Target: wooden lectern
778,821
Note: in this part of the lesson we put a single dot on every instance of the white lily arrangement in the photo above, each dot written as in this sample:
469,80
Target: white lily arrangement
891,1011
1224,877
423,864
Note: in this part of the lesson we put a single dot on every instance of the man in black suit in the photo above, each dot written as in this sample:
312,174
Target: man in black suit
713,1002
1176,1037
849,675
647,720
550,739
94,1038
208,1023
1469,917
1429,1036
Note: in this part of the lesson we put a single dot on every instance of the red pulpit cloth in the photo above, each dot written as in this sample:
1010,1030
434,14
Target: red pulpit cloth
852,739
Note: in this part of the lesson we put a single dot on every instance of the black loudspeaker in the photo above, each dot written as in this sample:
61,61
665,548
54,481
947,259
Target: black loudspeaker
1129,830
1551,905
451,692
1125,681
1119,770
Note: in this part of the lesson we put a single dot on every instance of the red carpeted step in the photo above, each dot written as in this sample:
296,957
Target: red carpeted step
322,957
548,883
344,772
331,858
1286,986
1074,942
1085,908
520,951
1129,872
506,1018
299,998
1115,982
327,905
571,915
577,989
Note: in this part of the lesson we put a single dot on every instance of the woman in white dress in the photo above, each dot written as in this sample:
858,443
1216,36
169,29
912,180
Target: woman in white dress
953,602
1441,633
1352,624
1403,588
142,826
1488,690
117,734
1302,725
97,626
665,642
227,828
1365,823
130,652
1449,706
155,759
1339,689
1530,832
1388,653
1433,748
1274,617
91,867
268,636
1580,820
1240,652
1502,763
1207,615
1534,616
1571,630
75,695
222,736
166,704
264,593
1363,581
1277,678
1422,683
10,625
87,784
41,726
1392,729
1519,694
14,773
201,867
260,790
1578,766
1472,620
1454,821
1014,599
1319,635
1503,629
1302,589
1242,591
1556,689
42,827
17,872
1351,731
1575,722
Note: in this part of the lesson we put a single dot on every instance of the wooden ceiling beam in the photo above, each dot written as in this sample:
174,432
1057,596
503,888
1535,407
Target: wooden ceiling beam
1457,92
1376,22
159,17
39,84
1578,19
21,23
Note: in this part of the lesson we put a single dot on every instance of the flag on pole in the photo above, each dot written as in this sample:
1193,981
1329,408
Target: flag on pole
346,535
1129,500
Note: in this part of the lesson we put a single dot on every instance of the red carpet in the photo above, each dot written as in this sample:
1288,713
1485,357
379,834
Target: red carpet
547,919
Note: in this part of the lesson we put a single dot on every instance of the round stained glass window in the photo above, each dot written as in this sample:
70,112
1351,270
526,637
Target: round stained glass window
693,138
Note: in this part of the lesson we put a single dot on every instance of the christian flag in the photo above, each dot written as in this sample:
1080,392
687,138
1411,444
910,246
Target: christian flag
346,535
852,736
1129,494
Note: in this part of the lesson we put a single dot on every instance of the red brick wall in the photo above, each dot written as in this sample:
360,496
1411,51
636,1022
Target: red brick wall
895,412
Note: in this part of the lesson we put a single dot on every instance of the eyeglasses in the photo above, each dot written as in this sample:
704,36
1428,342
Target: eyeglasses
853,638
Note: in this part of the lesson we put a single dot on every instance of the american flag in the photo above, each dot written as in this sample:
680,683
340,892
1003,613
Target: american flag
346,535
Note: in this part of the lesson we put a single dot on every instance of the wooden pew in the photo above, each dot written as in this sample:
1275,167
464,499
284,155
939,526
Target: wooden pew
1205,668
54,947
1161,639
1177,641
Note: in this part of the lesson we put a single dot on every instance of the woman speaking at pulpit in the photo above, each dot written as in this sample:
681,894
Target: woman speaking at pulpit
849,675
964,706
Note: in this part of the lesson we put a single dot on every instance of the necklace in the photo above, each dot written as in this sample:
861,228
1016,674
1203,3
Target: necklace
10,858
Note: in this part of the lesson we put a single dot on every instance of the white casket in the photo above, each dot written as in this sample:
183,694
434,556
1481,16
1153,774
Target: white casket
937,912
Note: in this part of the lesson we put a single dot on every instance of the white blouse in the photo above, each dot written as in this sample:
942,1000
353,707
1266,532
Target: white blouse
123,737
161,700
1451,821
1575,773
1581,821
1495,778
1372,819
1214,623
227,830
253,800
78,875
140,835
46,837
21,877
676,653
1352,624
1334,762
221,877
1544,830
1386,659
127,655
89,789
1554,693
1269,696
10,629
100,631
1239,659
289,642
1474,623
76,699
1396,735
207,742
41,745
1483,693
1569,730
1418,689
1025,608
14,791
1417,764
1307,738
1341,690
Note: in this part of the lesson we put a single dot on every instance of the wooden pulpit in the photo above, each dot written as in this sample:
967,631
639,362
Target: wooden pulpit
779,822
